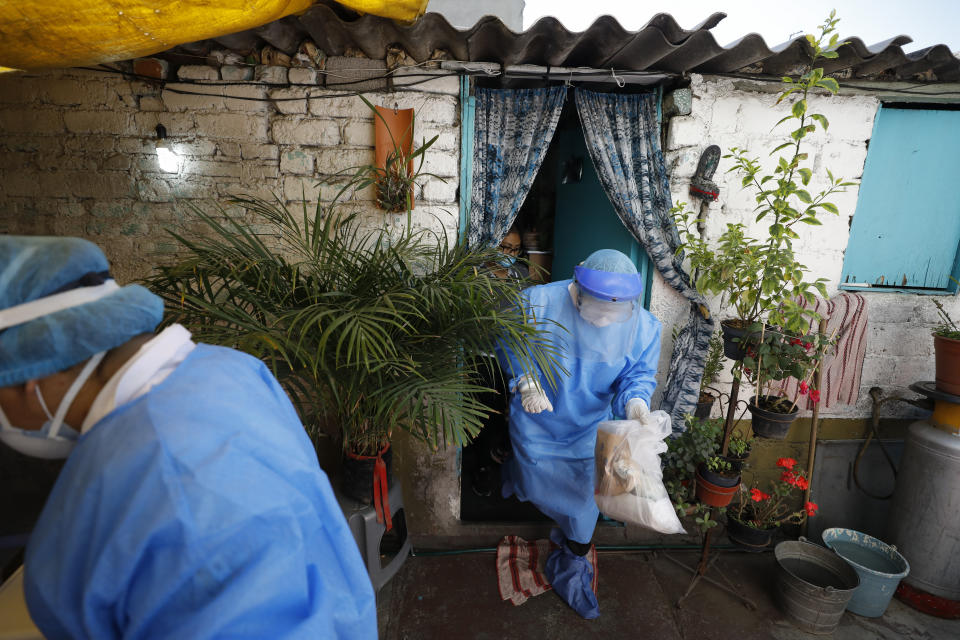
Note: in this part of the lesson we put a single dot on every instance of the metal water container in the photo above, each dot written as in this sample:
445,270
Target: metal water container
925,515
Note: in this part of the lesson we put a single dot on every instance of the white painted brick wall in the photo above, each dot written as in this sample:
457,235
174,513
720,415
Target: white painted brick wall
78,154
899,345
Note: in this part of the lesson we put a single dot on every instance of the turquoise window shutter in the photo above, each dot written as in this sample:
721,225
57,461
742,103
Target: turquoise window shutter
906,230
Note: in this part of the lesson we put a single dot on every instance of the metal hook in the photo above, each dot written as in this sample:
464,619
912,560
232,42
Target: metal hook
620,81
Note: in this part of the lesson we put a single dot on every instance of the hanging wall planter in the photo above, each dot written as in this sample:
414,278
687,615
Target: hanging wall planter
393,144
767,423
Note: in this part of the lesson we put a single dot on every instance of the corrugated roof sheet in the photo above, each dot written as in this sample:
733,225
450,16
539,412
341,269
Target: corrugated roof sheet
661,46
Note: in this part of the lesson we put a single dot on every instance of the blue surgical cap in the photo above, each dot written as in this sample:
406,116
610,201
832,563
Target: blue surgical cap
33,267
610,260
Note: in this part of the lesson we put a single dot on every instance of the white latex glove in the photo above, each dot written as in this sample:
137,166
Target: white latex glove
638,410
532,397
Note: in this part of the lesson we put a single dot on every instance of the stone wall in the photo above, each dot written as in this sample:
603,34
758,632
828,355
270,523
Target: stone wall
733,113
78,152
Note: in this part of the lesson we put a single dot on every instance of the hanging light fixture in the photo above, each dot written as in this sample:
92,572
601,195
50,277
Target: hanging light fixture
167,158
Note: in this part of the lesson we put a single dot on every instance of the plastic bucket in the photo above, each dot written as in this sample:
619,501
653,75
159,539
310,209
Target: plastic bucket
879,565
813,585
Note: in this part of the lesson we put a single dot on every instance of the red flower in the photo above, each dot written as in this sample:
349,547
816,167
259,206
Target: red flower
795,341
803,388
788,477
811,508
746,371
807,345
801,483
758,496
786,463
815,395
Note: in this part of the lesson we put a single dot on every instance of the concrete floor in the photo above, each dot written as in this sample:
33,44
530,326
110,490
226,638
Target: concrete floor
455,596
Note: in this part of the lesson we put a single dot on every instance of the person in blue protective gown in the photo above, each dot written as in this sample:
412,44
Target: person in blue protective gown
610,348
191,503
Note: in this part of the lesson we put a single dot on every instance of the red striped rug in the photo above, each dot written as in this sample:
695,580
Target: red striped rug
520,568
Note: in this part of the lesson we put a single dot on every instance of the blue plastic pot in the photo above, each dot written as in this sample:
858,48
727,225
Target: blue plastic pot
879,565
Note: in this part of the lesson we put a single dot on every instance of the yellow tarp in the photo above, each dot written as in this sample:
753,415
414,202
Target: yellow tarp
38,34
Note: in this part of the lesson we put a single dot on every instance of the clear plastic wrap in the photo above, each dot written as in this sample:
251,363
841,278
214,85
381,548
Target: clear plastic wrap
629,482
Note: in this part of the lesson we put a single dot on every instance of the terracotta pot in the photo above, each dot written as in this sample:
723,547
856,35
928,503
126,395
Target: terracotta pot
947,352
770,424
712,494
393,130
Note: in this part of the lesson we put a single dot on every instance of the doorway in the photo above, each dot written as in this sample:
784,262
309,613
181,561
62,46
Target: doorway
568,216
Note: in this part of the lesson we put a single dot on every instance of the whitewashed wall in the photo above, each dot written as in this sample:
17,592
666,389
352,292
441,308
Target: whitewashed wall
732,113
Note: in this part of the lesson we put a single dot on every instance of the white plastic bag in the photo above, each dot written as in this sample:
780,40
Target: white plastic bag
629,483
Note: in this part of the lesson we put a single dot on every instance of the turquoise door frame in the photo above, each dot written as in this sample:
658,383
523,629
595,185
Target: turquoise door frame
468,107
585,220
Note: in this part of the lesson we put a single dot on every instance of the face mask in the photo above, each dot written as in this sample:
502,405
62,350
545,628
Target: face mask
55,439
507,261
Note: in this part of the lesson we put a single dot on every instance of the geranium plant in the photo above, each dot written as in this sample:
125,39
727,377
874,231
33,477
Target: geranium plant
758,509
758,274
775,357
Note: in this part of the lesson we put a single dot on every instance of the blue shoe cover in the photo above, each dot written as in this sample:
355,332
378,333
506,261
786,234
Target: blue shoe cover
571,576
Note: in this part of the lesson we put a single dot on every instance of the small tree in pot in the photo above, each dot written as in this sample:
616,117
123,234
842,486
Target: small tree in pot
759,276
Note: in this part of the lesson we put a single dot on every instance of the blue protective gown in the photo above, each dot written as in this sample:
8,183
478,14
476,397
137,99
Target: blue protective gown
198,510
553,462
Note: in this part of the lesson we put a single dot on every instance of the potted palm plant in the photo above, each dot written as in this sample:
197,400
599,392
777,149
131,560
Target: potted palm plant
368,333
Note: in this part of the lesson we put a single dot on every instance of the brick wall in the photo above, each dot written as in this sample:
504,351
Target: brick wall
78,157
899,345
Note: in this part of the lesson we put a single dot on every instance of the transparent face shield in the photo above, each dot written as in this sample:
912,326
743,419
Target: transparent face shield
601,313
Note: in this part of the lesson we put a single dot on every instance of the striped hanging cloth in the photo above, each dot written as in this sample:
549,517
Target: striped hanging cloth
846,315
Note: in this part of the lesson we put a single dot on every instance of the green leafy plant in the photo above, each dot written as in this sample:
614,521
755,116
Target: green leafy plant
760,510
367,332
685,452
947,328
718,464
759,275
739,445
712,367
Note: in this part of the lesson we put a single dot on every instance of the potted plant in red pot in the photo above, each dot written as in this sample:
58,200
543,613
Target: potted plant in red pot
946,344
717,483
755,518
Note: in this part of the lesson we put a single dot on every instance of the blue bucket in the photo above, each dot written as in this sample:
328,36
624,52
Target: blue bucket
879,565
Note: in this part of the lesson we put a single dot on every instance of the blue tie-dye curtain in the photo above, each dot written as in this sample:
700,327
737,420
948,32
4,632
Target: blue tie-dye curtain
513,129
623,136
